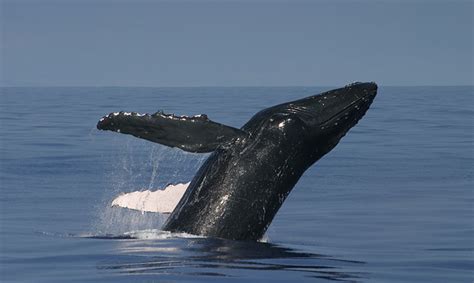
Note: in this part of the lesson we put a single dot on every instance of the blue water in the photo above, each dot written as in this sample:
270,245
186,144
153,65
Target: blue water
393,202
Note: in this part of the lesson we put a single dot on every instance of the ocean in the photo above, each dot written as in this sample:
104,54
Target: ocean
393,202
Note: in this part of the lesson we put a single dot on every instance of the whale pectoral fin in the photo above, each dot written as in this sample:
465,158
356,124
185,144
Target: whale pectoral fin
194,134
162,201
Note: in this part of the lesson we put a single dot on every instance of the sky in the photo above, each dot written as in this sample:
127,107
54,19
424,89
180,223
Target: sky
235,43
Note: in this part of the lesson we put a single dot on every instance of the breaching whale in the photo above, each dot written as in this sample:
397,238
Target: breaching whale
240,187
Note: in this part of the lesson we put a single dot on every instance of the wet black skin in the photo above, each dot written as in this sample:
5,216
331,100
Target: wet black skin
240,187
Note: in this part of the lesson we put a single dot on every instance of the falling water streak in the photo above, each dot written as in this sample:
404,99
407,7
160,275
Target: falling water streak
92,134
180,161
154,164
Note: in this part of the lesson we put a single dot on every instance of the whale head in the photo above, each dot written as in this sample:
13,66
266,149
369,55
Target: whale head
335,112
319,120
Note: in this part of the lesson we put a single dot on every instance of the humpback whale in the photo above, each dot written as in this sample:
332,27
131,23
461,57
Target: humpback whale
250,172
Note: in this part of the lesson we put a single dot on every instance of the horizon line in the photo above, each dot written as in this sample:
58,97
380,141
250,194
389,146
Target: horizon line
217,86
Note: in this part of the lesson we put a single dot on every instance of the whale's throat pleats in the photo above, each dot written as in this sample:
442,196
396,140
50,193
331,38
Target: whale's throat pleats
194,134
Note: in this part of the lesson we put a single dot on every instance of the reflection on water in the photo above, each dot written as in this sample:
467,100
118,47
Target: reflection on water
223,258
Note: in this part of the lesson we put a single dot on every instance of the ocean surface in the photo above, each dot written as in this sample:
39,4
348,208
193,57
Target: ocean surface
393,202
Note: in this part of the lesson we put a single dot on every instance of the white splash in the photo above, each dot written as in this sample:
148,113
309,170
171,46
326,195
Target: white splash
163,201
156,234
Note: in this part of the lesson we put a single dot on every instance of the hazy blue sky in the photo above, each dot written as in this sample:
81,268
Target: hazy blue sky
235,43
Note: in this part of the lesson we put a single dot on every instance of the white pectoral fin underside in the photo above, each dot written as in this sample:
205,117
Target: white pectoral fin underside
162,201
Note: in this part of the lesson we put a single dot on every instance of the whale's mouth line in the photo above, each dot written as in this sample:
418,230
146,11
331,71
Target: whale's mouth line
344,109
